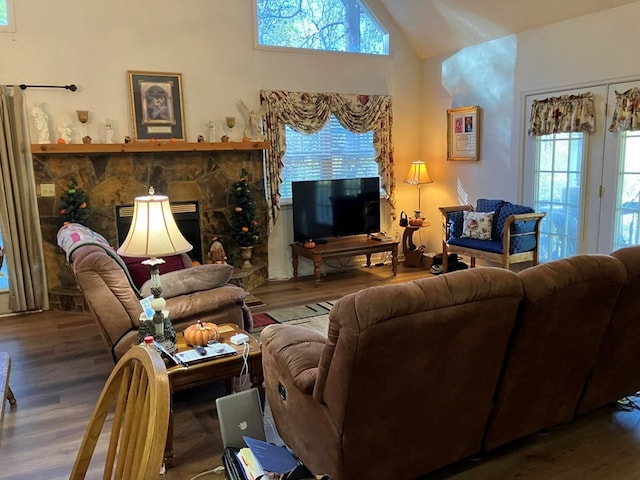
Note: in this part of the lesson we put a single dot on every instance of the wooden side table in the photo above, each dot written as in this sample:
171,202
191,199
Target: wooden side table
412,253
182,377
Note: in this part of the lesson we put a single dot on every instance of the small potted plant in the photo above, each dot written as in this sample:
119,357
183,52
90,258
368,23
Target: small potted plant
243,220
74,204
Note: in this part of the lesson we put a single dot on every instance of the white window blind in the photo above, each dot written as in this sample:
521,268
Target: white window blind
331,153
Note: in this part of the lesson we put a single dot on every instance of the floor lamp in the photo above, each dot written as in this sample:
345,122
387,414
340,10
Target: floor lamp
418,175
154,234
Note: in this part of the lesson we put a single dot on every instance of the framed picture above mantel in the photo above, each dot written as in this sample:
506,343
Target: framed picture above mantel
463,133
157,110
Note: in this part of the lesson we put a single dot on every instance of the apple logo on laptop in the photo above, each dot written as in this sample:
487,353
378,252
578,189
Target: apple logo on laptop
243,425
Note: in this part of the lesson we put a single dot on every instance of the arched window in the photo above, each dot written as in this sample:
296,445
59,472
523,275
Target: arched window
330,25
7,19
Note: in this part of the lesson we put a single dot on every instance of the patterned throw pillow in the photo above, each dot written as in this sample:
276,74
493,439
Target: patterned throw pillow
477,225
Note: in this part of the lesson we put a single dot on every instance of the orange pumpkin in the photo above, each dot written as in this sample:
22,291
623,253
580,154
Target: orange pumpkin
200,333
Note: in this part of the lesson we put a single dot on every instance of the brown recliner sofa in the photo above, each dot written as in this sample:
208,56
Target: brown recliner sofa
193,293
416,376
615,373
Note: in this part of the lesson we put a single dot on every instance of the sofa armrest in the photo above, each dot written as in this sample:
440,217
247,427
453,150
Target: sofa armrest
296,351
511,234
452,219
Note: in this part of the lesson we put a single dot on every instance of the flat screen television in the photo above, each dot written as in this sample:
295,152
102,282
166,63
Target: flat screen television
335,208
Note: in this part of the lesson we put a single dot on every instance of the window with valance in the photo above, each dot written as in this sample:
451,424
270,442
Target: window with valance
308,113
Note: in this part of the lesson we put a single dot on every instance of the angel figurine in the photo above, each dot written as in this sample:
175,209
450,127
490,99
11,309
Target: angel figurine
65,133
253,122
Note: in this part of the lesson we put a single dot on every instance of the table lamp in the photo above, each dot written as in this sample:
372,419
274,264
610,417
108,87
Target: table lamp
154,234
418,175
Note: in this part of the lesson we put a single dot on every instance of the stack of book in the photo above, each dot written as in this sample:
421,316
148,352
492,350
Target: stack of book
248,463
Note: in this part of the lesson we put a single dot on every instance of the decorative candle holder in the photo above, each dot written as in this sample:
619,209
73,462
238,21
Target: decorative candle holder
83,118
231,122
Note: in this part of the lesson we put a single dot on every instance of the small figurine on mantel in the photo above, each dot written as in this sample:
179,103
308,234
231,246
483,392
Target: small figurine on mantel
253,122
41,119
108,130
216,251
65,133
212,131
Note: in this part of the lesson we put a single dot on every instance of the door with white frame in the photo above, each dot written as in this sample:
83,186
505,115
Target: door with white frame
621,175
587,182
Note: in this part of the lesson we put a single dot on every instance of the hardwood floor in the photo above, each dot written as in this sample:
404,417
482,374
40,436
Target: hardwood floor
59,366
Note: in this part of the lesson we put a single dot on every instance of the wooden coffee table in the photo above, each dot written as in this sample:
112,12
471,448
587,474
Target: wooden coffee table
343,247
225,368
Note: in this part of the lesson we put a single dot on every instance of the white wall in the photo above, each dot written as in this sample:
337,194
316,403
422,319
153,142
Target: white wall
93,44
496,75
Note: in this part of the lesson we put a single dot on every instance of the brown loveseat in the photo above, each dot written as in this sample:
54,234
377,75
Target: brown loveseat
415,376
193,293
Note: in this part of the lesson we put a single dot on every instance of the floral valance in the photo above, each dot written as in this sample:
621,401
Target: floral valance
626,114
567,113
308,112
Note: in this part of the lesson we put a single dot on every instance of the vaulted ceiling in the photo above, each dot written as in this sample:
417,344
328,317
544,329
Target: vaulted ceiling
434,27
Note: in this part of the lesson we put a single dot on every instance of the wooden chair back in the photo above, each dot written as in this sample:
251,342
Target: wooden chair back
136,397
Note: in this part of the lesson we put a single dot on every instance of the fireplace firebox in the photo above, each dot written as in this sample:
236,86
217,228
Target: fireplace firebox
187,216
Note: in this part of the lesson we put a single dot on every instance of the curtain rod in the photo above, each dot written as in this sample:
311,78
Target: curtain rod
22,86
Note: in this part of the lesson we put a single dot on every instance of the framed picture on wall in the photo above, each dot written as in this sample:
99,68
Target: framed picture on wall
463,133
156,106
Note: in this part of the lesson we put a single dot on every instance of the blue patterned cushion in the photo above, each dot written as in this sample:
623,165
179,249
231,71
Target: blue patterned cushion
522,244
455,220
485,205
508,209
518,244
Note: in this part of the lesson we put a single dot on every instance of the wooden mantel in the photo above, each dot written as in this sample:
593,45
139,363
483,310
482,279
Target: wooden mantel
144,147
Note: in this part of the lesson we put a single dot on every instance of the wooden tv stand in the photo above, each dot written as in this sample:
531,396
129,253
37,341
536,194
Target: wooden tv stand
343,247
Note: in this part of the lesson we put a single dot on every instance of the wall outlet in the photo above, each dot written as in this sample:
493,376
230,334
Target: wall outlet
47,190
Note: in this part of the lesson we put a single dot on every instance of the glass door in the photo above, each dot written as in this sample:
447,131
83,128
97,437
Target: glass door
562,177
621,182
588,183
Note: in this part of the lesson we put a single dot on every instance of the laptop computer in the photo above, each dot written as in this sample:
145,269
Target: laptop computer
240,414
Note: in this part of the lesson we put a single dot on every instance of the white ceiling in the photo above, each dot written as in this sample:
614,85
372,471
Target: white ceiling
434,27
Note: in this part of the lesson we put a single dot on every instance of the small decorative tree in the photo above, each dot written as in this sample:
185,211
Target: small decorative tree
243,220
74,204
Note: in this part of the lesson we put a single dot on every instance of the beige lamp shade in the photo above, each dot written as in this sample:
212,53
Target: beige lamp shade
153,232
418,174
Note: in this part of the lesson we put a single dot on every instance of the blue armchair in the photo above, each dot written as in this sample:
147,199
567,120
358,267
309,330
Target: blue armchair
496,230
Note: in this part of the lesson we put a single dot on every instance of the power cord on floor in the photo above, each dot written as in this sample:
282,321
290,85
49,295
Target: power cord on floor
244,371
219,470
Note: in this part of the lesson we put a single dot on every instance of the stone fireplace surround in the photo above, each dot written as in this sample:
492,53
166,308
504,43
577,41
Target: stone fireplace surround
114,176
